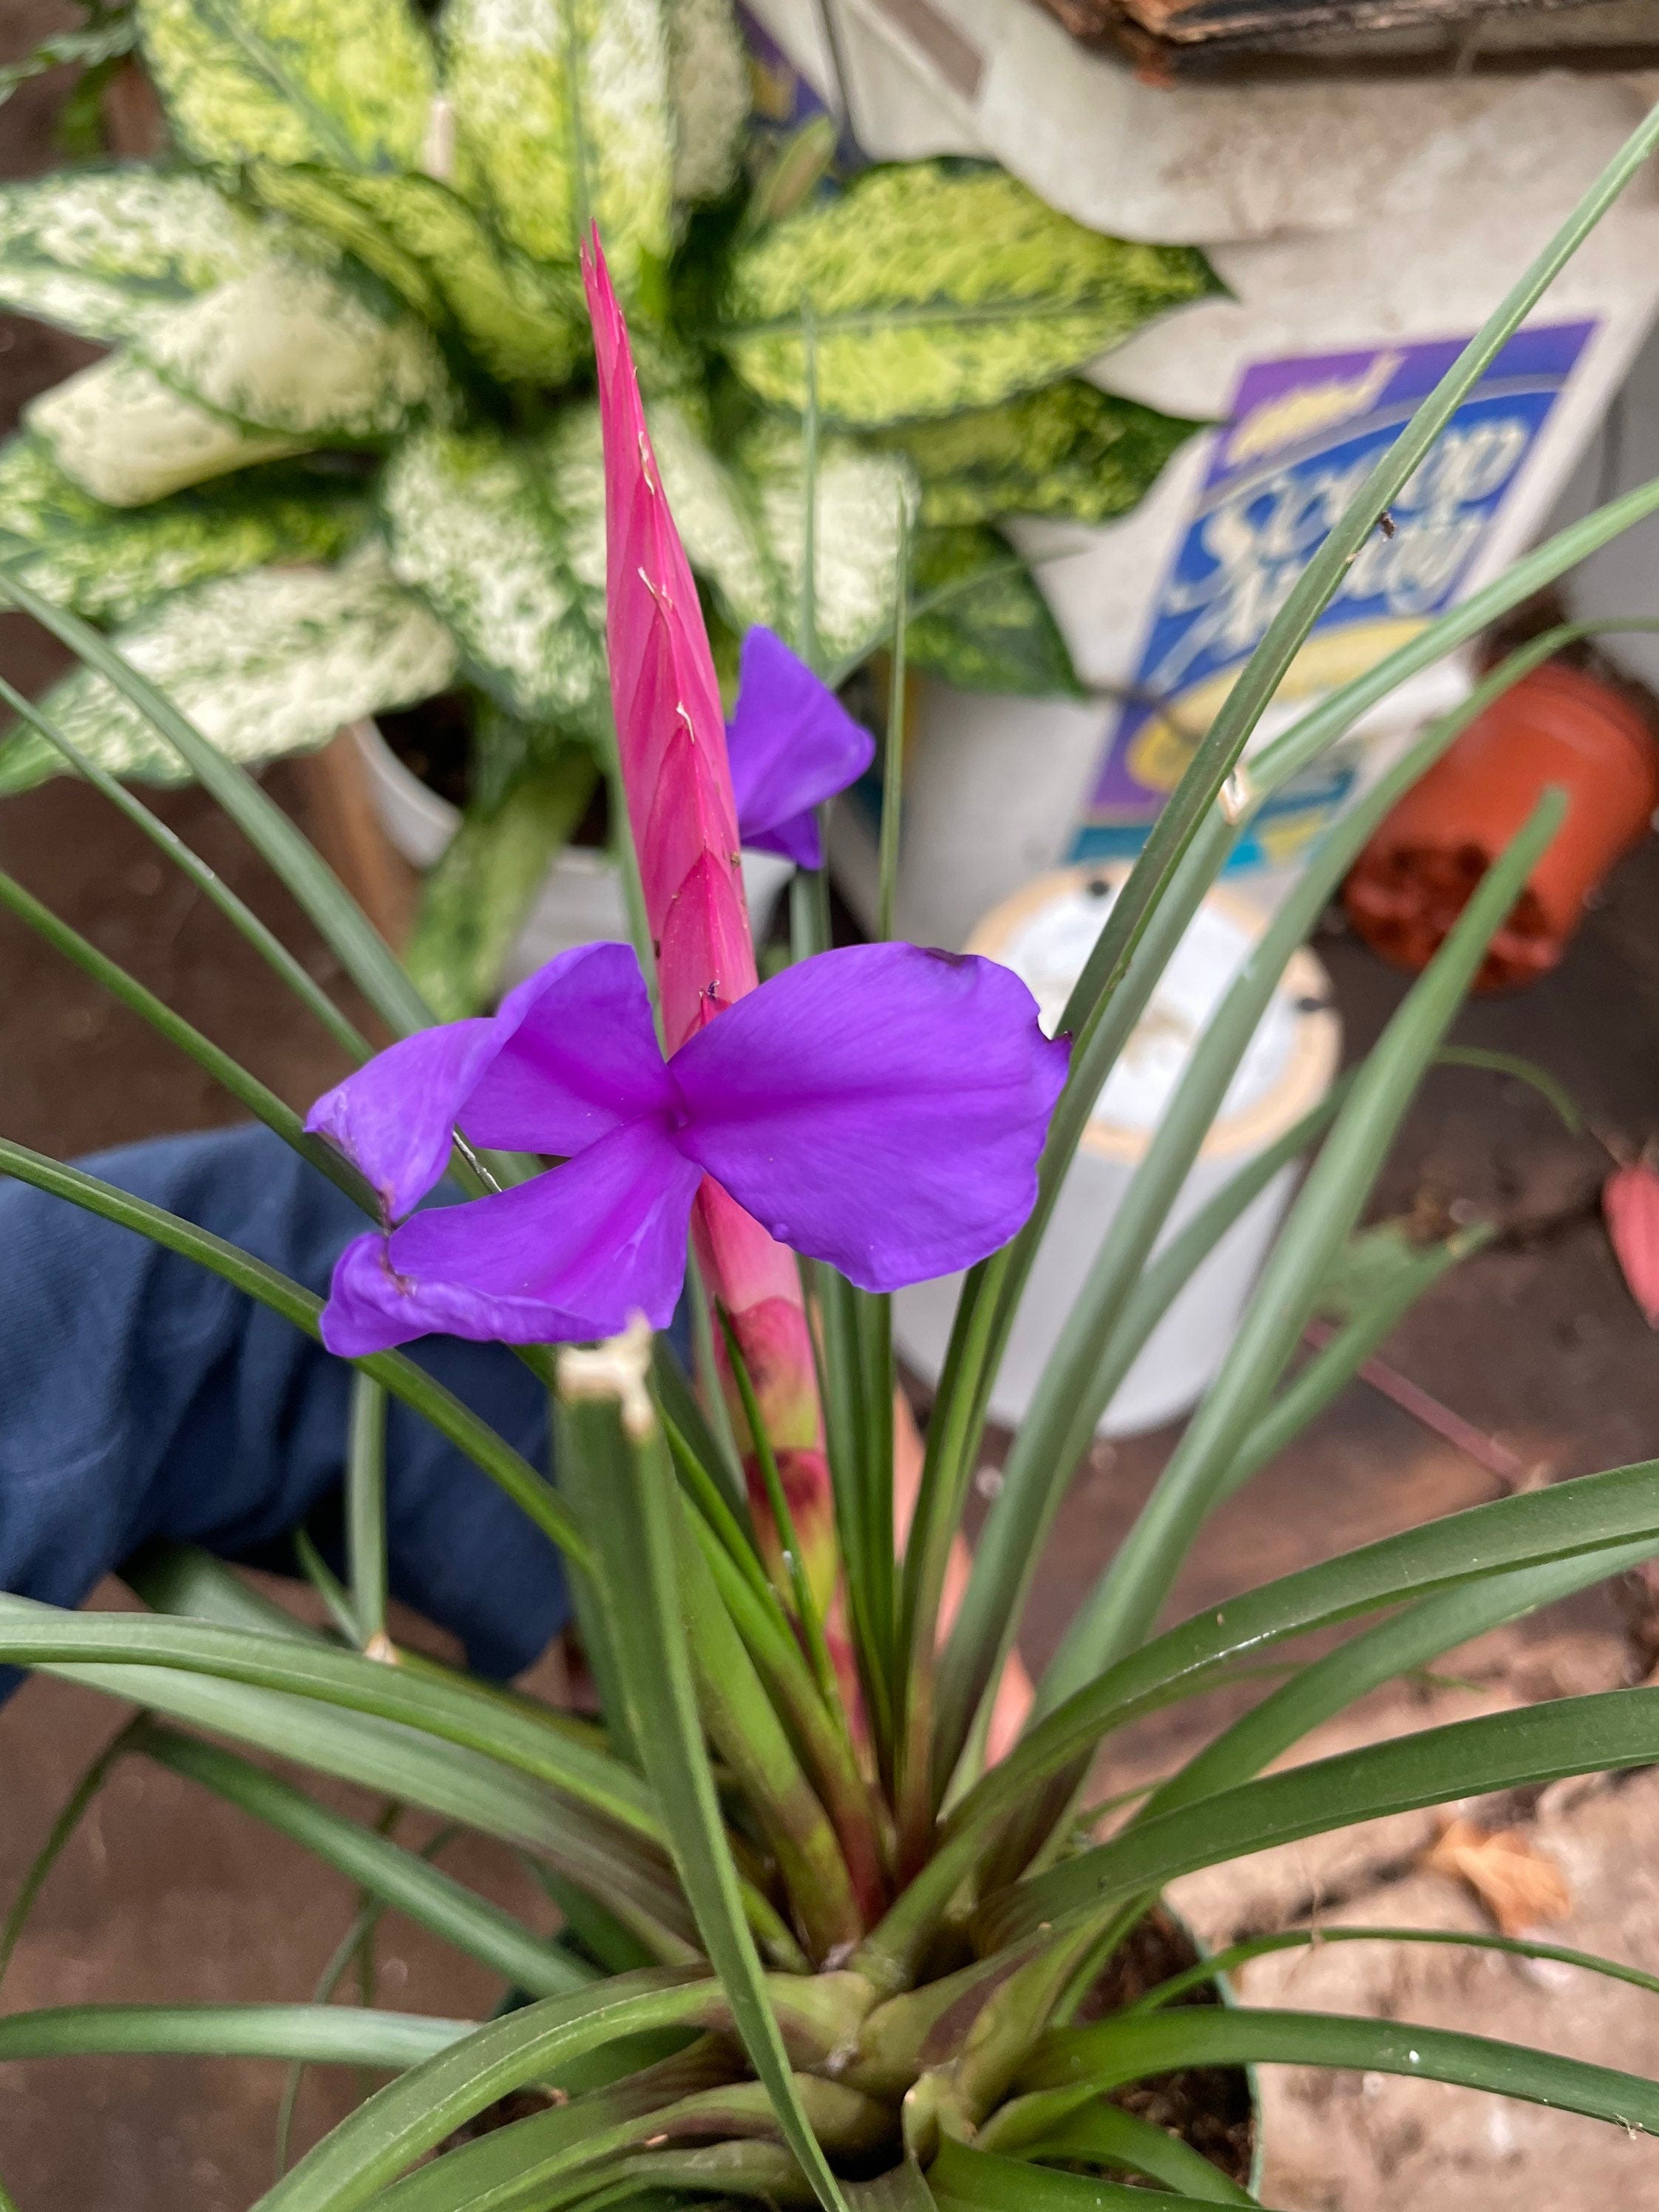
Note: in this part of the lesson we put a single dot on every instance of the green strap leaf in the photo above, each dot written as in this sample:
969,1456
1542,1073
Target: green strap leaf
1590,1514
562,119
1070,452
1134,2045
1125,1601
990,628
75,1808
1105,2134
981,2181
635,1884
109,252
453,1710
1235,1955
412,2115
1412,1638
321,2035
1614,1730
934,286
1151,900
341,921
399,1878
245,1089
346,82
611,1442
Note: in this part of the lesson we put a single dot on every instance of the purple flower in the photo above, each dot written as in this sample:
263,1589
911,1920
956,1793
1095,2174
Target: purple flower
791,745
880,1107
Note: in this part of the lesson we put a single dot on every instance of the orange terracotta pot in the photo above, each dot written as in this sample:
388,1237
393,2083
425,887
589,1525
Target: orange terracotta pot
1558,726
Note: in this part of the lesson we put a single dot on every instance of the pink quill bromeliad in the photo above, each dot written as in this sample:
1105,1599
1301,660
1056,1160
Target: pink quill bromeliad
880,1107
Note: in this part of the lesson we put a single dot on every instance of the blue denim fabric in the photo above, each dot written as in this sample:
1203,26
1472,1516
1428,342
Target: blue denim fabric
140,1397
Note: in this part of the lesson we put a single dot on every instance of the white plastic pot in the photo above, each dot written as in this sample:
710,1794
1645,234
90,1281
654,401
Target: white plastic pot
1044,933
581,900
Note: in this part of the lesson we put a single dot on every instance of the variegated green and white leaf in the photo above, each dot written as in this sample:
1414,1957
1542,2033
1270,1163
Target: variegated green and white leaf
718,517
348,82
1070,451
267,366
525,322
108,252
476,524
110,563
709,88
271,662
981,623
936,287
561,118
504,537
856,535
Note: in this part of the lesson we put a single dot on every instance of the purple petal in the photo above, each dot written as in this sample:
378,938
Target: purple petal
880,1107
578,1056
791,745
571,1255
394,1116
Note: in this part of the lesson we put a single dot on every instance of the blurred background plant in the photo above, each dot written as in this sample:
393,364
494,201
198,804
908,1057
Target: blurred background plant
342,458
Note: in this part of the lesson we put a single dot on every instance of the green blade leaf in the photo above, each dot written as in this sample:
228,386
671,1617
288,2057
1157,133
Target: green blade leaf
981,2181
990,628
267,365
109,252
1500,1751
271,662
384,1869
936,287
246,1089
562,119
1105,2134
1193,835
1070,452
1292,1939
341,921
346,82
1132,2046
611,1435
241,917
1593,1513
1412,1638
441,1778
1122,1608
321,2035
412,2115
112,563
451,1708
400,1374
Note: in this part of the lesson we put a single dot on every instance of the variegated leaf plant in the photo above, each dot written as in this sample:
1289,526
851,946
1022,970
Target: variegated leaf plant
823,1936
357,258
